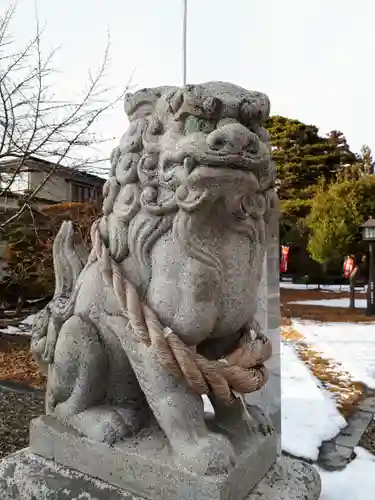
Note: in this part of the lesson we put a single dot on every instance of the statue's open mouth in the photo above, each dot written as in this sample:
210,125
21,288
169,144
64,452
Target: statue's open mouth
178,168
242,161
207,184
191,159
202,177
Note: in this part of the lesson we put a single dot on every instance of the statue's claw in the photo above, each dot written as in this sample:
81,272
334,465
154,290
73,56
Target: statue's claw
258,419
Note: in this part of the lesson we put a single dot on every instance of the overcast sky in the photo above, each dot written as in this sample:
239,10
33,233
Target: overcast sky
314,58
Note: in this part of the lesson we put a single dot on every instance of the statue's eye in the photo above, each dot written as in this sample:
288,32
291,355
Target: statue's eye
194,124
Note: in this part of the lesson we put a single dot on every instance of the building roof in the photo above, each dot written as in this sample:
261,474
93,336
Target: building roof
46,165
369,223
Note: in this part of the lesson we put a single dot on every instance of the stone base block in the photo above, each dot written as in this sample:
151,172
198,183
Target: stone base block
25,476
146,466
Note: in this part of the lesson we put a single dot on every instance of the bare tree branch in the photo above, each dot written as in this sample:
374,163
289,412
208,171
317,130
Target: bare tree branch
34,123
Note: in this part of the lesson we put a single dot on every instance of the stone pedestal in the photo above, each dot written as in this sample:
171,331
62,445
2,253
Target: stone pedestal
27,476
64,465
147,466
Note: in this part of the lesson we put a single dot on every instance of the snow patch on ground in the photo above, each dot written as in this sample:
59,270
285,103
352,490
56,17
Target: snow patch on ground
351,345
23,327
360,303
29,321
356,482
309,414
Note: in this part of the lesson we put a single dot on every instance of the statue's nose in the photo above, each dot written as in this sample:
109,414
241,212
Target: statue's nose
233,138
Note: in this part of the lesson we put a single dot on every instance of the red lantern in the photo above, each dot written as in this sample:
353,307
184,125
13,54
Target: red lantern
284,259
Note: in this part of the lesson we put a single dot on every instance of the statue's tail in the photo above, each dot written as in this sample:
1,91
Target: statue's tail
69,259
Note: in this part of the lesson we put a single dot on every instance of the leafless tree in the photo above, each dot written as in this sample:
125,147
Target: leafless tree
33,122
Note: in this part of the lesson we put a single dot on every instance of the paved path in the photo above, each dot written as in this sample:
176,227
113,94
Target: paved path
338,452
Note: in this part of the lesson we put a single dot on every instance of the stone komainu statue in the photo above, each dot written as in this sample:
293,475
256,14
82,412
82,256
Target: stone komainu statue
162,310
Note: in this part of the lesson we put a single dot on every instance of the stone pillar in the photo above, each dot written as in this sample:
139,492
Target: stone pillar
273,315
268,316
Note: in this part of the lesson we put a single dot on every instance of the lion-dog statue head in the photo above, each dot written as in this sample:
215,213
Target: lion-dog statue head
187,202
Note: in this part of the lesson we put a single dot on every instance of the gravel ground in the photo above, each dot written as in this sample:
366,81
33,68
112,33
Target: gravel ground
16,411
368,439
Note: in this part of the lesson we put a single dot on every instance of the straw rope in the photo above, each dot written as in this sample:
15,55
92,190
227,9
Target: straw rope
242,372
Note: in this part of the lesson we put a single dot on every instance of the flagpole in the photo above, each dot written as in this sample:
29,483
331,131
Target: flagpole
184,42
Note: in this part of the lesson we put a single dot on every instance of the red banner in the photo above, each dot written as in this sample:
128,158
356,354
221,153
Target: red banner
284,259
348,266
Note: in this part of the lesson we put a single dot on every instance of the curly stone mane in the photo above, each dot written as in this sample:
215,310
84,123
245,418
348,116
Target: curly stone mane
144,198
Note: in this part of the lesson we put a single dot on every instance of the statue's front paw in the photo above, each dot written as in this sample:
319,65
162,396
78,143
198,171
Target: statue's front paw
210,456
107,424
241,419
99,424
260,420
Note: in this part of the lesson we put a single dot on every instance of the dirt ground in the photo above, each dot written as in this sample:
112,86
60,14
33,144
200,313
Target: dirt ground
320,313
17,363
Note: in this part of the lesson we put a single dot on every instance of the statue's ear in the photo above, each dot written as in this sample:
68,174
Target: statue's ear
176,101
255,109
143,102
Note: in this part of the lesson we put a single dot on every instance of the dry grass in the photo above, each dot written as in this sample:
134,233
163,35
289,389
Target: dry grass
337,381
346,393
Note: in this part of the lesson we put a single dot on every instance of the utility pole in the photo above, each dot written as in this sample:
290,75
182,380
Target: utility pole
184,42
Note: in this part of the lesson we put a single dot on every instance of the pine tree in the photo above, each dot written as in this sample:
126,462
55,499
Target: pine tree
303,158
306,164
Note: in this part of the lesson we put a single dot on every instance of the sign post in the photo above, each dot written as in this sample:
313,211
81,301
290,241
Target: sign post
350,272
369,237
